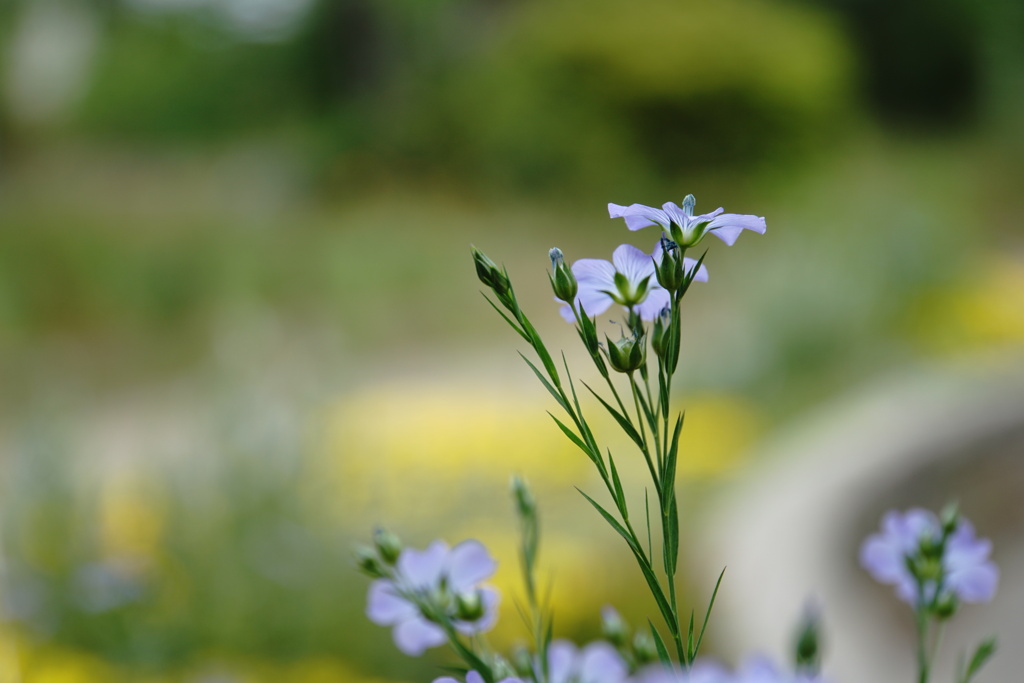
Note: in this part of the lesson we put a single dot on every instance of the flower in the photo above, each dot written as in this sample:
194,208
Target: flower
960,563
430,586
627,280
753,670
474,677
597,662
685,228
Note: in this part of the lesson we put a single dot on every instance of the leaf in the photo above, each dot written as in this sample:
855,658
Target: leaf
507,319
641,559
620,495
573,437
547,384
624,422
982,654
707,616
660,645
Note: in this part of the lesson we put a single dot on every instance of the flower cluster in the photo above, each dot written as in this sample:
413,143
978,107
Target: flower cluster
426,595
642,282
931,562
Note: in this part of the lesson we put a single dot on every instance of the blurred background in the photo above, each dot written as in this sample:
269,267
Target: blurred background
240,325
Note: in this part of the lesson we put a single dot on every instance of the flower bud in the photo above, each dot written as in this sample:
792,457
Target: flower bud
660,337
522,661
489,273
369,563
563,281
670,271
627,354
469,606
613,627
807,651
946,606
643,648
388,545
526,505
950,517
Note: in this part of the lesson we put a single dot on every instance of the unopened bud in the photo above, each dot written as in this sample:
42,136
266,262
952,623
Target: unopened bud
563,281
369,563
950,517
946,606
526,505
627,354
469,606
670,271
660,337
613,627
489,273
388,545
807,650
643,648
522,661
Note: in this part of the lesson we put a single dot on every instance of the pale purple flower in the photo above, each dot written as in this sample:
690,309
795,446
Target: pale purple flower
474,677
598,289
685,228
753,670
597,662
436,577
967,571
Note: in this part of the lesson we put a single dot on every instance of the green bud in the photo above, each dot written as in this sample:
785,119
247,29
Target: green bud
930,547
627,354
946,606
643,648
670,272
526,505
807,650
950,517
489,273
469,606
613,627
522,662
388,545
563,281
660,337
369,563
502,669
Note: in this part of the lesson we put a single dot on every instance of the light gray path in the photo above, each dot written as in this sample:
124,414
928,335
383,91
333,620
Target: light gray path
790,531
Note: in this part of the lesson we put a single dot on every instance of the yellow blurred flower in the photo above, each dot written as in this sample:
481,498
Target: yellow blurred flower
131,519
984,312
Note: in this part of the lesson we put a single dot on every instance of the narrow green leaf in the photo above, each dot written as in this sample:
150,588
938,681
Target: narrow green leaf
648,414
645,567
660,645
669,475
689,639
670,531
541,350
707,616
647,506
509,320
620,495
982,654
573,437
547,384
623,421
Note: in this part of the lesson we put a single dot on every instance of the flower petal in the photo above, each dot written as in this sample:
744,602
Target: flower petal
414,636
727,227
633,263
469,563
639,216
600,663
385,607
702,273
975,584
423,568
561,661
657,299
